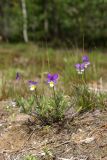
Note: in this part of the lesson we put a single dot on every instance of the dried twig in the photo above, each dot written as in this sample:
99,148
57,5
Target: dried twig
62,144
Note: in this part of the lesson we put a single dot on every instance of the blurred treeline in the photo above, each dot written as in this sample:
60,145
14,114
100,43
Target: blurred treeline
67,21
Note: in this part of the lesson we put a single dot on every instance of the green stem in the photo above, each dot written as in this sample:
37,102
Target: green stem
24,85
55,101
36,96
85,77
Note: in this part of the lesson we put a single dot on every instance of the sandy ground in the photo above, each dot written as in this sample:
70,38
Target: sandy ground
84,138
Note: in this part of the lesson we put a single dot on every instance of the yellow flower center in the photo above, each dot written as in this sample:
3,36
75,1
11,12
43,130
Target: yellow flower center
51,84
32,87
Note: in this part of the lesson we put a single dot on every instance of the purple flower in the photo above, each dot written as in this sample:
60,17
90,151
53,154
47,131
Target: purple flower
85,58
80,68
86,61
17,76
52,79
32,85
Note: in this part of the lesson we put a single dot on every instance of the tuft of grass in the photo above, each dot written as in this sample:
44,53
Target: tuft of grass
12,88
30,157
85,99
25,104
48,109
51,109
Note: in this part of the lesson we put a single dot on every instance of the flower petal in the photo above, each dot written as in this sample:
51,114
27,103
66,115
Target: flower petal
82,66
51,84
55,77
32,82
32,87
49,76
17,76
78,66
85,58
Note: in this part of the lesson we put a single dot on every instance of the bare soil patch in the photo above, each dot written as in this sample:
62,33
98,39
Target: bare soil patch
84,138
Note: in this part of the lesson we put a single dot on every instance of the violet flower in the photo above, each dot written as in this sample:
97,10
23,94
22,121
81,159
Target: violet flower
52,79
32,85
86,61
80,68
85,58
17,76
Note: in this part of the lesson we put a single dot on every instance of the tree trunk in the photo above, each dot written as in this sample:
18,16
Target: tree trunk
4,23
1,21
55,20
24,11
46,23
